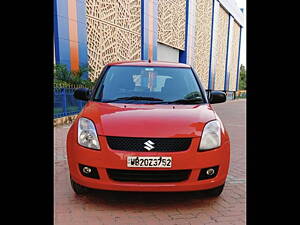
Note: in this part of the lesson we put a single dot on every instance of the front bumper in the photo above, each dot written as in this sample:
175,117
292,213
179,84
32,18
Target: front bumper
108,158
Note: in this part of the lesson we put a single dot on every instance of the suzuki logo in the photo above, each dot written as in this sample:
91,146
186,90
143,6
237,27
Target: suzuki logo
148,145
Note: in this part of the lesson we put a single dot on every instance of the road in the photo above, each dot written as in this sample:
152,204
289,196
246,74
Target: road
138,208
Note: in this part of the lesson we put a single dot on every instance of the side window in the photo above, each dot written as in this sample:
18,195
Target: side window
140,81
160,82
149,82
192,88
137,79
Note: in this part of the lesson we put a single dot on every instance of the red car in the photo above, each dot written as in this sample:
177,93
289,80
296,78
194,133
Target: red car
148,126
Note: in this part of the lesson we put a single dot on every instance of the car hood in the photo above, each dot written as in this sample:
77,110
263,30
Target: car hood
148,120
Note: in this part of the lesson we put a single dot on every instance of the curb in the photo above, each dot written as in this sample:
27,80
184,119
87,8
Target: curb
64,120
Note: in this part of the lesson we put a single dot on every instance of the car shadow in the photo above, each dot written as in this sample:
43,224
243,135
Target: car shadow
146,200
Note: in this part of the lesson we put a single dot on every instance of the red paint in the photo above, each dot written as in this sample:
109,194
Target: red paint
137,120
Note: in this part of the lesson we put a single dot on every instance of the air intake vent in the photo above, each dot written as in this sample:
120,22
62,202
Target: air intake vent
148,175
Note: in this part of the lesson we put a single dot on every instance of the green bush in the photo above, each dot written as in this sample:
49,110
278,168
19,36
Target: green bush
61,83
65,78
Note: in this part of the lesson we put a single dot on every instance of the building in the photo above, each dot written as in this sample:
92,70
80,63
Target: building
203,33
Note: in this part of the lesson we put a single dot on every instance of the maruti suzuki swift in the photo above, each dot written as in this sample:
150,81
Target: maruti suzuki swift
148,126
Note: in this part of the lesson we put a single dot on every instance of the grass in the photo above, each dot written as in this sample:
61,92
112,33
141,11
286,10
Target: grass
69,109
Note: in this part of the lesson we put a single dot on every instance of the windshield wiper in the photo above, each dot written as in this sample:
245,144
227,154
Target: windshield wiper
141,98
134,98
159,101
191,100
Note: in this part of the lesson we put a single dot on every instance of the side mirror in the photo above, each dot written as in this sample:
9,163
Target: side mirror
82,94
217,97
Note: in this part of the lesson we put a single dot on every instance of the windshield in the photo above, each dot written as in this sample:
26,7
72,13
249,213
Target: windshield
149,85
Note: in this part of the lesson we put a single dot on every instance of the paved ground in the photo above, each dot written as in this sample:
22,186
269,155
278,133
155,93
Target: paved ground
134,208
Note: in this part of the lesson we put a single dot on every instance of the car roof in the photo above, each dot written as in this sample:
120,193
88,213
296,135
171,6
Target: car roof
147,63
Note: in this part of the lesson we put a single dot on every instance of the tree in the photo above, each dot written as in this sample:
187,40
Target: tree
243,78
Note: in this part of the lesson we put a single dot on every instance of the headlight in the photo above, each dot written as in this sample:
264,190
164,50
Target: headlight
211,136
87,135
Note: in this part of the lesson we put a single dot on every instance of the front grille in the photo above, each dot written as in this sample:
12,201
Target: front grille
148,175
138,144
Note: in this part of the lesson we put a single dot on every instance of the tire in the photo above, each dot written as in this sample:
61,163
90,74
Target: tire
215,192
78,189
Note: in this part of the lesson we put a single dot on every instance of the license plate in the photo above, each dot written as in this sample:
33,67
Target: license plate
149,162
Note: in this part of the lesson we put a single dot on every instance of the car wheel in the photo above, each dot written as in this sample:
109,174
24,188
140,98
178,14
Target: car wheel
215,192
78,189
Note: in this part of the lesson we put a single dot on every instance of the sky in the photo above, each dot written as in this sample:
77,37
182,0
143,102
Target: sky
242,4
